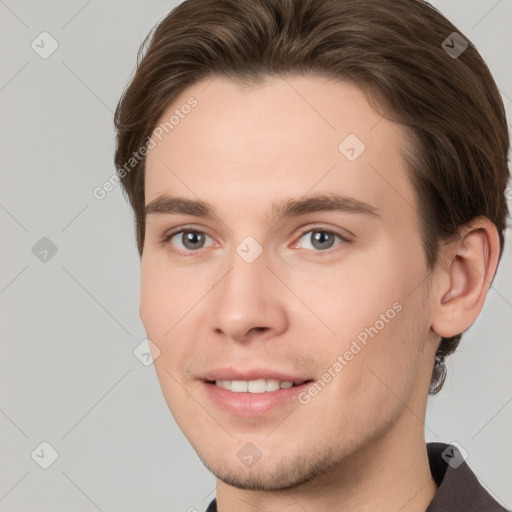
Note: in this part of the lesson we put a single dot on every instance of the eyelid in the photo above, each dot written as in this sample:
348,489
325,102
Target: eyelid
179,229
332,231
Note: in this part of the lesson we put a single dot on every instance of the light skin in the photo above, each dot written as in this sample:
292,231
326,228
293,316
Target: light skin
358,444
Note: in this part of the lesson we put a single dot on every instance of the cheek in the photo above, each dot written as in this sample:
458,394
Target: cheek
166,296
382,374
348,298
372,381
164,302
162,310
378,329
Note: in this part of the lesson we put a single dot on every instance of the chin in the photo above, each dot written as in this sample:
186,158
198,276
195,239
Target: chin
271,475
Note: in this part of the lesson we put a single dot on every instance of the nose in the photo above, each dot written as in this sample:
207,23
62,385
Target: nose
246,303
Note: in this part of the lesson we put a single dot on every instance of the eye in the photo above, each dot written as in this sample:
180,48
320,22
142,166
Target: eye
187,240
319,239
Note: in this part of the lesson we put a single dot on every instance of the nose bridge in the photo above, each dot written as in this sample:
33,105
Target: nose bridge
245,299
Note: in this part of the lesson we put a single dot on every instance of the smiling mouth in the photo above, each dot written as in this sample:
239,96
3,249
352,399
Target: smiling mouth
256,386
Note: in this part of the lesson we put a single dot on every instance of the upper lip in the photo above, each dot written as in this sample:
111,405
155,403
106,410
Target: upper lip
252,374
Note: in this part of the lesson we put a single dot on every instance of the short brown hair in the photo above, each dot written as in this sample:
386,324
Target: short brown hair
392,49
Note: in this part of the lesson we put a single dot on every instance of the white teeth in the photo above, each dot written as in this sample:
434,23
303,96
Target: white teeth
253,386
256,386
272,385
239,386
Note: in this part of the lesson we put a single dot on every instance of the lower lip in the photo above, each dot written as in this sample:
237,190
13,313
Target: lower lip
252,404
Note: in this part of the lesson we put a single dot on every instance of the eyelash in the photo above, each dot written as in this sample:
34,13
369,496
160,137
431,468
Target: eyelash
318,253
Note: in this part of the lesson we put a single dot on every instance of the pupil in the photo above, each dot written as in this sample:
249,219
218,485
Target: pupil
191,238
322,240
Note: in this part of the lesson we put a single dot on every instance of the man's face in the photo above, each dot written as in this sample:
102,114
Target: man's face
333,297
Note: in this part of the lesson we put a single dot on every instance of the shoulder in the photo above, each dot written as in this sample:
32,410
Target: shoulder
212,507
458,486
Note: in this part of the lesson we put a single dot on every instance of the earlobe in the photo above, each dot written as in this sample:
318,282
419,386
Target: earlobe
466,278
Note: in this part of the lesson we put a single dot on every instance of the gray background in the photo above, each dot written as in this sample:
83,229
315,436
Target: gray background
70,325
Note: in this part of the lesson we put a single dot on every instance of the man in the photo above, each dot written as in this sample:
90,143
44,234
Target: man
319,197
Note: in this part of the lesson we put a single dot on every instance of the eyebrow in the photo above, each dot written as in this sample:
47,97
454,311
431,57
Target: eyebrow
165,204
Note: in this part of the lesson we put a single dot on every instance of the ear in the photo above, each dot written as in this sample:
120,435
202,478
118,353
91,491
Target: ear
465,274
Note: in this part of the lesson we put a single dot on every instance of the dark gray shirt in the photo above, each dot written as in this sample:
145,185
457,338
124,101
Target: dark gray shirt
458,487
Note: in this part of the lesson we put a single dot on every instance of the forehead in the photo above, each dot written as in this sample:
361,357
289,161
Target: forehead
247,144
